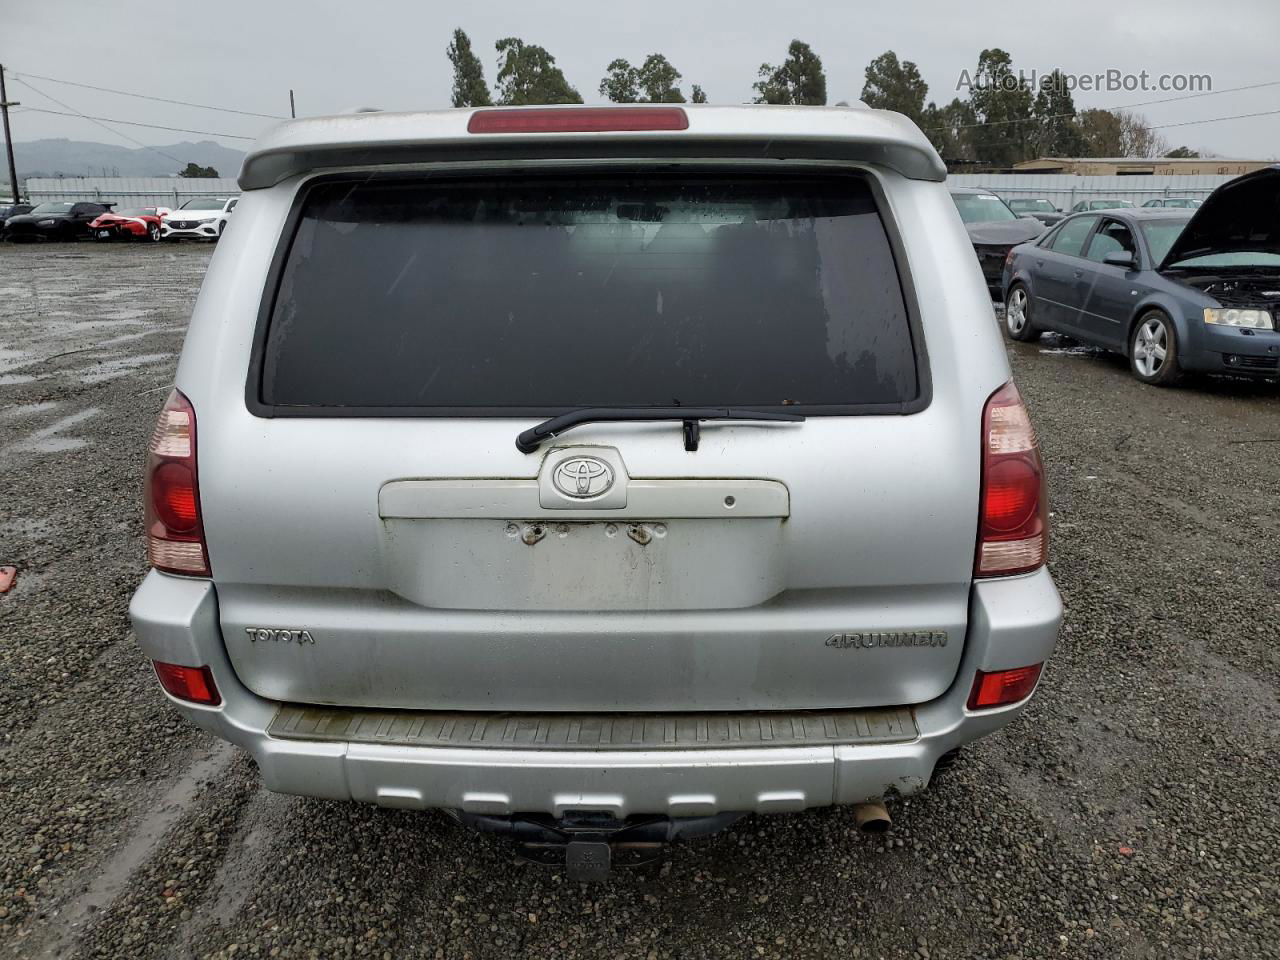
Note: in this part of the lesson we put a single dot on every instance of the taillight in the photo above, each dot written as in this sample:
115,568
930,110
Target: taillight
194,684
577,120
1013,529
1003,687
175,535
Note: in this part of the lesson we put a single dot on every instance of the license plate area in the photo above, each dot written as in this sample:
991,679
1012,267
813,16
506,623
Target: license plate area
558,564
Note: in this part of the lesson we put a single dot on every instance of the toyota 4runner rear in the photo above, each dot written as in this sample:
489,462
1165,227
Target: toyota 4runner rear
597,473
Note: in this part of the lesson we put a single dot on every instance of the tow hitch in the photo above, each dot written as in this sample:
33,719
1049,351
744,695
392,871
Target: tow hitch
588,843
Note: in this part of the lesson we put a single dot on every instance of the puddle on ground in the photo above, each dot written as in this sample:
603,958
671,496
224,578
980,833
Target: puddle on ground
50,440
1080,351
11,359
110,369
26,410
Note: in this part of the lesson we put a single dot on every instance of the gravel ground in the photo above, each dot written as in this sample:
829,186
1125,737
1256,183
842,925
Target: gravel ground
1132,812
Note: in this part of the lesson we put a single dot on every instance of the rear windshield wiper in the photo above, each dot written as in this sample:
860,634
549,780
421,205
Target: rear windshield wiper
530,440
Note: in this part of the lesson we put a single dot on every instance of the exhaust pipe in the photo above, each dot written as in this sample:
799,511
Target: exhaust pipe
871,817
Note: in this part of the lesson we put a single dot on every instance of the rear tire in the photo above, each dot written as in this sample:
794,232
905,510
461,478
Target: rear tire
1017,315
1153,350
153,232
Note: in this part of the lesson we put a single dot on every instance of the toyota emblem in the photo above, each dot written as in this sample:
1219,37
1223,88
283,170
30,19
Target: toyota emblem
582,477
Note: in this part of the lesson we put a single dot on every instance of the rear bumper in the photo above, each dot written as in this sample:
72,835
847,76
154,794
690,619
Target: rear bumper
1012,622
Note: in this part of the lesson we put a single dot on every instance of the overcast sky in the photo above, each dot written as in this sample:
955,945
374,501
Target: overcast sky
339,55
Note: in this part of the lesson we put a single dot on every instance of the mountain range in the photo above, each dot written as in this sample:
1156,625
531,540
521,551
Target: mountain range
85,158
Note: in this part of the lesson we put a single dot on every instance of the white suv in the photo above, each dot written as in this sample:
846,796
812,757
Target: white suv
200,218
598,475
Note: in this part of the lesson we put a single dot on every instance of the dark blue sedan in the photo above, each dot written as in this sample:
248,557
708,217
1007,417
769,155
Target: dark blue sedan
1174,290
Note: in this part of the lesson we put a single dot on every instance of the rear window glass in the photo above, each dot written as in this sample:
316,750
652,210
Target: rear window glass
547,294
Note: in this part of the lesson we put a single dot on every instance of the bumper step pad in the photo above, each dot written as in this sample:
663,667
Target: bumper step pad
596,731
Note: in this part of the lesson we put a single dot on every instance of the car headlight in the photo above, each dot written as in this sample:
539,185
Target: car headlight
1232,317
48,223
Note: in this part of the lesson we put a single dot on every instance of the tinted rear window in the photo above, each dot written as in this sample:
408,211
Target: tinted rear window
545,294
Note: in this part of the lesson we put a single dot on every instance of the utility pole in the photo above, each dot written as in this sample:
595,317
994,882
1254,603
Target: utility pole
8,138
292,112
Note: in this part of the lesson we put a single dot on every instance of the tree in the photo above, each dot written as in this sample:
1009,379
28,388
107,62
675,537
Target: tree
469,88
698,96
1182,153
894,85
195,170
658,80
655,81
528,74
950,129
1137,139
622,83
800,79
1101,134
1057,133
1117,133
1002,104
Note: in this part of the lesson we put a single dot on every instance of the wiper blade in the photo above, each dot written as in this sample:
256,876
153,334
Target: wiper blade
531,439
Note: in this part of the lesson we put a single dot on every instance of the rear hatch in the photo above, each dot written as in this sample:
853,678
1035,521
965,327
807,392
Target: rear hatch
377,540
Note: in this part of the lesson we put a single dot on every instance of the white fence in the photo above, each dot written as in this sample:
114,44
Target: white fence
130,191
1064,190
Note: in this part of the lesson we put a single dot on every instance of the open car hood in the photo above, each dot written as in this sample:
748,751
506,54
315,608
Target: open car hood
1241,215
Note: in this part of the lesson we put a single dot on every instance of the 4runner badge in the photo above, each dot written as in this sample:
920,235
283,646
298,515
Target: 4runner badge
867,641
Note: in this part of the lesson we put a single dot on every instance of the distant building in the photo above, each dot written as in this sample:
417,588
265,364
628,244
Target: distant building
1136,166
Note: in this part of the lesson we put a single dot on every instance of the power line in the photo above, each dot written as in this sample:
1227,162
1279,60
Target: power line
98,121
1125,106
135,123
131,123
144,96
1191,123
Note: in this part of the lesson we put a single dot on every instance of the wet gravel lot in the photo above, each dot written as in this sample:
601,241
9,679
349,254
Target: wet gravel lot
1132,812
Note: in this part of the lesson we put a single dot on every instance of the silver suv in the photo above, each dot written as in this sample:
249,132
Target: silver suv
597,474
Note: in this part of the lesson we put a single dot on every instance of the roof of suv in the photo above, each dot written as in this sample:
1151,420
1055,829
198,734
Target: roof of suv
755,131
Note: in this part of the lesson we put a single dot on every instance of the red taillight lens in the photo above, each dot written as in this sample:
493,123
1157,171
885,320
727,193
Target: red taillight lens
175,535
1013,529
194,684
1003,687
577,120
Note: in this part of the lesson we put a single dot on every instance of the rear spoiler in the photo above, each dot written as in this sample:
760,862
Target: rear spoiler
718,133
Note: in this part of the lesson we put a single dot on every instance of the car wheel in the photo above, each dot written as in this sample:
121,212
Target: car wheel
153,232
1017,315
1153,350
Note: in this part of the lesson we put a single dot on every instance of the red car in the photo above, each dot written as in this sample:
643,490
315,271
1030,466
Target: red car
141,223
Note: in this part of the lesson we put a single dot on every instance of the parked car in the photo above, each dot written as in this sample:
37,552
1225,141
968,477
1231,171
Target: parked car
139,223
1103,204
559,536
1038,207
1176,293
993,229
200,218
12,210
1177,203
55,220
